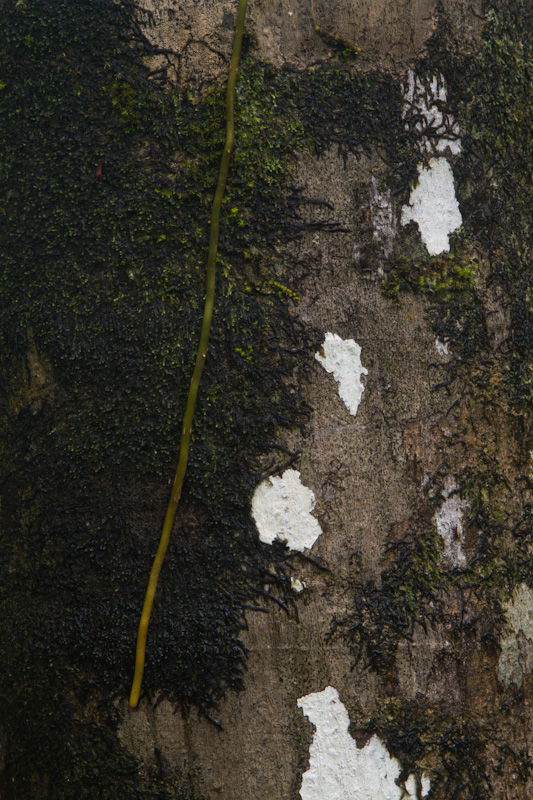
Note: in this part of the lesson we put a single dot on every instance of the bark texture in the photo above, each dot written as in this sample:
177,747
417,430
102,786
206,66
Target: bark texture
415,602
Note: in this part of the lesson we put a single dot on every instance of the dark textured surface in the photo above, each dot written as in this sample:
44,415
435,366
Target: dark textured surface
108,179
108,182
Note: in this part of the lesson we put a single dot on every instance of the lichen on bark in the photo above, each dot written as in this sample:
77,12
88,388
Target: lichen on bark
110,172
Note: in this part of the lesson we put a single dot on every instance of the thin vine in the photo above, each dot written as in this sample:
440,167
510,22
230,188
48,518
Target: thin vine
199,365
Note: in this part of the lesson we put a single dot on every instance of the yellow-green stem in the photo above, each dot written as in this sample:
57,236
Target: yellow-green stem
199,365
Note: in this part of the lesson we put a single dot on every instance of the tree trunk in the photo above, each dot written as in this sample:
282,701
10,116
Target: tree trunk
345,610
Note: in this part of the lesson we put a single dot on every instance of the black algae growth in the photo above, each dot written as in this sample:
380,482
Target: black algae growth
108,179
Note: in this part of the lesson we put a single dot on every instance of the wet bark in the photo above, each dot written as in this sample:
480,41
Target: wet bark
414,602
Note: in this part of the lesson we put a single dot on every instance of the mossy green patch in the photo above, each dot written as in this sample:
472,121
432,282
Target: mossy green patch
439,276
499,164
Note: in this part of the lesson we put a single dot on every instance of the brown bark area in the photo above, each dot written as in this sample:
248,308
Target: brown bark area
390,34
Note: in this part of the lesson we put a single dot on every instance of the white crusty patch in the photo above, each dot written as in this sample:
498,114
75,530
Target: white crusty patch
281,508
514,661
433,206
449,521
338,769
342,357
442,347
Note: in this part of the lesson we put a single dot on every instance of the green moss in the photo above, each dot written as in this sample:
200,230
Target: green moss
440,276
494,170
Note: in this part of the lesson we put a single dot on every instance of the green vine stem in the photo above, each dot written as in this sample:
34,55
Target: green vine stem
199,365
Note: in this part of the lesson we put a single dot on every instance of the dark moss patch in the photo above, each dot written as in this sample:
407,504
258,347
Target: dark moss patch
355,111
108,182
450,750
408,595
499,162
341,47
418,587
449,281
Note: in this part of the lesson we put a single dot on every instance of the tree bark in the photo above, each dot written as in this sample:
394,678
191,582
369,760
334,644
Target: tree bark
372,345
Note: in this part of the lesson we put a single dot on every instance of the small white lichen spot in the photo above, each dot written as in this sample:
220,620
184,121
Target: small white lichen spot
338,769
297,585
512,664
441,348
426,785
342,357
449,521
433,206
281,508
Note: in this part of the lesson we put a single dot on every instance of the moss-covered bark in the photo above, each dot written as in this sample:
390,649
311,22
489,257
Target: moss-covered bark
108,176
108,179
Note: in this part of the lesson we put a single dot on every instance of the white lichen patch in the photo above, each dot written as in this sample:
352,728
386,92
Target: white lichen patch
442,348
281,508
342,357
515,661
425,109
338,769
433,206
449,522
297,585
